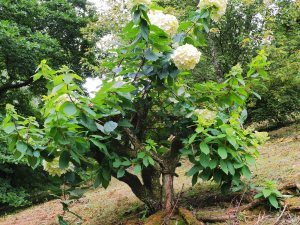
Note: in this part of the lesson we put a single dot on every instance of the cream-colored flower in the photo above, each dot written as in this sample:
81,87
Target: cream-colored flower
186,57
53,167
206,117
261,137
166,22
217,7
132,3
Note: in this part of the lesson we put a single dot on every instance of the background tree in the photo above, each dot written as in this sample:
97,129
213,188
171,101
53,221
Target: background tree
35,30
30,31
279,103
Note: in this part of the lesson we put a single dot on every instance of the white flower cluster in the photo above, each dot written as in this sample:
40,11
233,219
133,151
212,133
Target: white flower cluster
132,3
166,22
107,42
217,7
205,117
53,167
186,57
261,137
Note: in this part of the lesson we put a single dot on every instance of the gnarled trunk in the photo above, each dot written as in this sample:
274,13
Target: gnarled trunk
155,194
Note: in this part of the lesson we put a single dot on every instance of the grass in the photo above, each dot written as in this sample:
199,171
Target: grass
280,161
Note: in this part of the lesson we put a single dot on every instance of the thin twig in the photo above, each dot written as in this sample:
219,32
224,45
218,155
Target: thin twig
278,219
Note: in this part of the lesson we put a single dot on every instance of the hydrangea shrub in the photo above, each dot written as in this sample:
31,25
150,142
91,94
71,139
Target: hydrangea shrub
145,117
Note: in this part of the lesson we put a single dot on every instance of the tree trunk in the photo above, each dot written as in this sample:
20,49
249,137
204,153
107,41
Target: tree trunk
168,193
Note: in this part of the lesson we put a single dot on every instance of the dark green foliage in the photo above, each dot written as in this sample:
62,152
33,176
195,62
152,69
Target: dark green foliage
280,101
31,31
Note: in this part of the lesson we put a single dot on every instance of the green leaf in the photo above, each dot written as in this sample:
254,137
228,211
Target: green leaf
195,169
33,161
101,146
106,173
67,78
151,161
213,164
117,163
273,201
250,160
204,148
146,161
266,192
98,179
246,172
259,195
64,160
257,95
125,123
194,179
184,25
144,29
223,166
137,169
120,173
232,141
75,156
204,160
61,221
36,154
9,128
244,115
88,122
69,109
230,168
89,111
126,163
192,138
21,147
151,56
141,155
110,126
37,76
222,152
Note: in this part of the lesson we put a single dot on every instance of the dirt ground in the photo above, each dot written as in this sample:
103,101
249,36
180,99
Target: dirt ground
279,161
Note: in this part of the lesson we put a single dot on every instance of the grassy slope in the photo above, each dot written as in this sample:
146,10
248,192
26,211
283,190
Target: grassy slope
280,160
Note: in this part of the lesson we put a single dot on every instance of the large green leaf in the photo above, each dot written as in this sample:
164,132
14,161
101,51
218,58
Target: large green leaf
204,148
69,108
21,147
223,166
195,169
110,126
273,201
9,128
222,152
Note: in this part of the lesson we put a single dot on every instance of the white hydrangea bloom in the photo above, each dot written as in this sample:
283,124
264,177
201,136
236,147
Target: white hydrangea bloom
132,3
206,117
218,7
53,167
166,22
186,57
